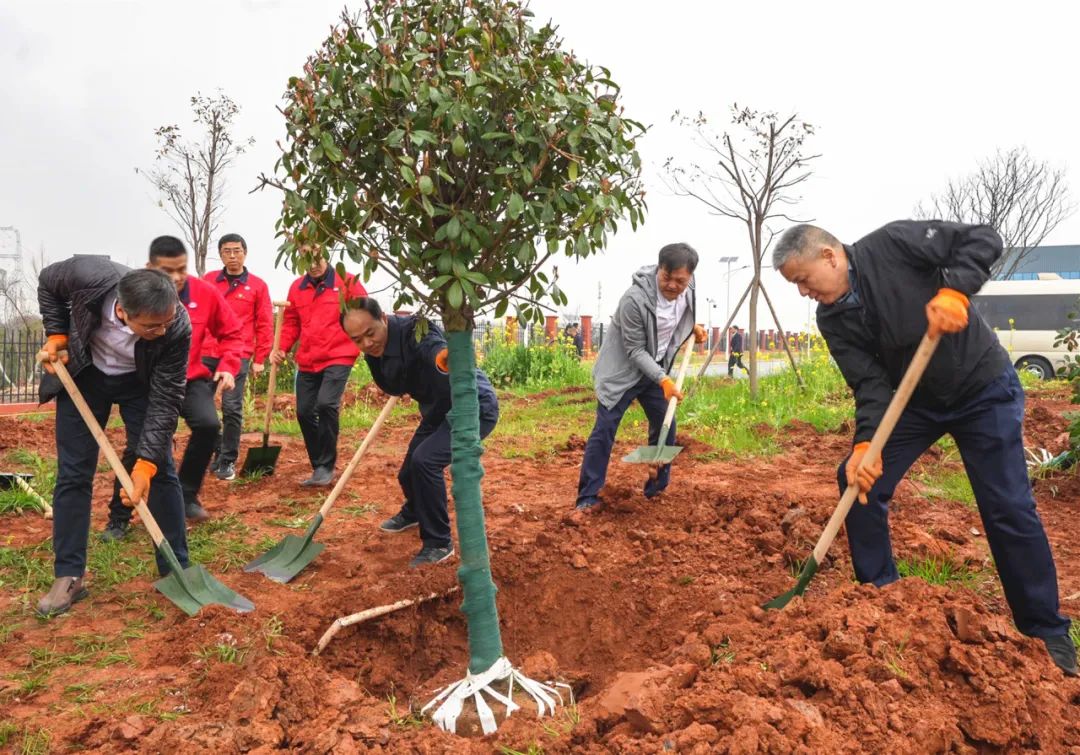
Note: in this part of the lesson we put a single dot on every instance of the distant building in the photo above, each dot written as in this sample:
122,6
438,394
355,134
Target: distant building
1063,260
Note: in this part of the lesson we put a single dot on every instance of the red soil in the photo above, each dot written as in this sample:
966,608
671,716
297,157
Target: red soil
650,609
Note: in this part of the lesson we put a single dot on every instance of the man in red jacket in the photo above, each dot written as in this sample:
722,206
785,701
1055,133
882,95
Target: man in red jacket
208,312
249,298
323,360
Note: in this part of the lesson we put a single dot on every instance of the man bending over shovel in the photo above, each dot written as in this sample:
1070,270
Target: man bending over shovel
124,338
654,316
876,299
400,364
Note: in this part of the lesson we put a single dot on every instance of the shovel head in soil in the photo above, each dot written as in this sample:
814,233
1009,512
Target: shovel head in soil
808,571
192,588
289,557
653,454
261,460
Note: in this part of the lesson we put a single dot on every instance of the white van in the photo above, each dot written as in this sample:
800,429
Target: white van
1027,314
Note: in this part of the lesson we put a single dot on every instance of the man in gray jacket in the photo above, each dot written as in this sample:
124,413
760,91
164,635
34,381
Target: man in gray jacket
654,317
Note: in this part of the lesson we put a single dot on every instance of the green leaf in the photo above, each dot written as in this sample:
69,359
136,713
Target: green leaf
494,135
426,185
501,307
458,146
573,170
454,295
516,206
408,174
453,228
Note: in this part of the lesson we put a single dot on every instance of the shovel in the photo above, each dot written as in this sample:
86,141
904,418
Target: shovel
877,442
288,558
660,454
191,588
21,481
262,460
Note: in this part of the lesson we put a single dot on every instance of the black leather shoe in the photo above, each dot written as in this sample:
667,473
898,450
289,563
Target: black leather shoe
1062,652
320,478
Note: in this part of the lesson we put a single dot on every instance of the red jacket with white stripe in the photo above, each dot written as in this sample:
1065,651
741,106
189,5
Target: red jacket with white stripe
314,317
249,298
211,314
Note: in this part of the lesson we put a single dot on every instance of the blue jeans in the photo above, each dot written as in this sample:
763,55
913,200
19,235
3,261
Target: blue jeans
987,430
602,438
76,459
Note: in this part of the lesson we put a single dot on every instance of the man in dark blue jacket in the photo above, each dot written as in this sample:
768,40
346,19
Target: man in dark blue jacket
876,298
124,339
400,364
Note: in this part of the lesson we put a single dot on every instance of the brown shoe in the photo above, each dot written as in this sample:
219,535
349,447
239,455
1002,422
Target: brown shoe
64,592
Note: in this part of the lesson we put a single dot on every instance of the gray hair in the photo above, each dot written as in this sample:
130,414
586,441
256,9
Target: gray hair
800,240
147,292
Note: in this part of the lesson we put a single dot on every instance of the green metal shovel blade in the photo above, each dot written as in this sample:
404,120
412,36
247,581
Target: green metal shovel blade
192,588
807,574
261,460
653,454
289,557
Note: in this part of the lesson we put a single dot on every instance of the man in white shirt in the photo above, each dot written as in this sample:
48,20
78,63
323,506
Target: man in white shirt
654,317
125,341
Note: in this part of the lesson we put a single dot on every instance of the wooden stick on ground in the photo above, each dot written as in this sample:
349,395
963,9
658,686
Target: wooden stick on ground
46,509
372,613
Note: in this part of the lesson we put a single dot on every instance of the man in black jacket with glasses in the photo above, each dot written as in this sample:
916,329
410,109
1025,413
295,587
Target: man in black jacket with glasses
124,338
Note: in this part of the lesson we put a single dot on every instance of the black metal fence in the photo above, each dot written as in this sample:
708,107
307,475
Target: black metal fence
20,373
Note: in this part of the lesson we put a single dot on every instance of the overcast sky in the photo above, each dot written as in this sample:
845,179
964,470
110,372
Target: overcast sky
903,97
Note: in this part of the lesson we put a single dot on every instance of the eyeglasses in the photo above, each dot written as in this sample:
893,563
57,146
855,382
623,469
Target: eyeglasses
231,253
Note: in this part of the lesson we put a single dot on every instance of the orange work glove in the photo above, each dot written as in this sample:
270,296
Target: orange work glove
669,389
947,312
442,361
870,472
55,348
700,334
141,475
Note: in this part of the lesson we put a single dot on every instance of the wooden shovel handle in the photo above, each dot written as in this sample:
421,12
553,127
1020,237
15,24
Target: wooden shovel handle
348,473
279,319
881,436
106,448
669,415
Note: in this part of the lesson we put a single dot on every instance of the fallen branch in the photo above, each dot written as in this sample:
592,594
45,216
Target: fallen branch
373,613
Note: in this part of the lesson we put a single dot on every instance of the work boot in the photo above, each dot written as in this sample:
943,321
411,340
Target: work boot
226,471
431,555
398,523
114,530
64,592
320,478
653,487
1062,652
195,513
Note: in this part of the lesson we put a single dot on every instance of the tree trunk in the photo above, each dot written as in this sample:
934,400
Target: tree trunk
474,574
752,334
783,339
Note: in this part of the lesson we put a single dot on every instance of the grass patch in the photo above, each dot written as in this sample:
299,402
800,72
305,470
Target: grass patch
362,509
1074,633
27,568
721,653
947,485
721,412
534,427
223,652
222,543
295,523
938,571
894,658
403,719
15,499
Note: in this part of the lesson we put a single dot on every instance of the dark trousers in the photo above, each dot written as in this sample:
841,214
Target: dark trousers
602,438
318,401
77,455
734,359
200,414
421,474
987,430
232,413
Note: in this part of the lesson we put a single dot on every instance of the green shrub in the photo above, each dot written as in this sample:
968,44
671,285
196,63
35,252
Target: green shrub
533,367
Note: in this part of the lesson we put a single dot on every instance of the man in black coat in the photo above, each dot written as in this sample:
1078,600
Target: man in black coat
735,351
400,364
124,339
876,299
